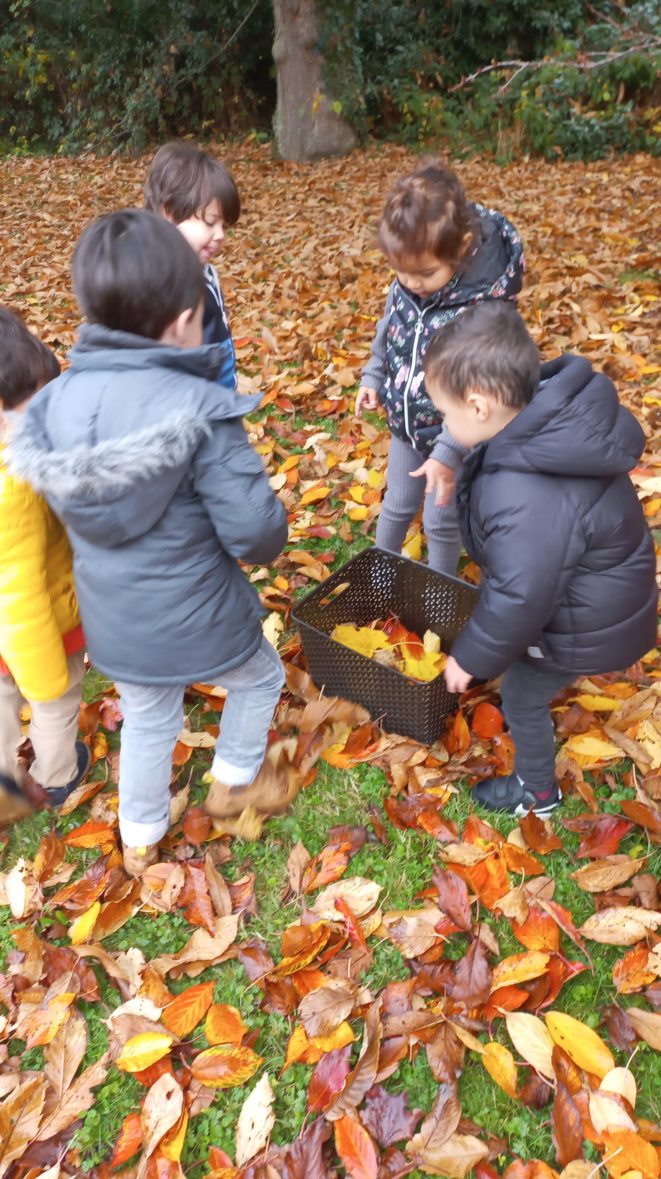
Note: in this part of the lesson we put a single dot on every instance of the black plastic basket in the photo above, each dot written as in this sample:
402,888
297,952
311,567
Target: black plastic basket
379,583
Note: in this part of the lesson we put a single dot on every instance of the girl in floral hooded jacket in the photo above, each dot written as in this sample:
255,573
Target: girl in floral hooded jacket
448,254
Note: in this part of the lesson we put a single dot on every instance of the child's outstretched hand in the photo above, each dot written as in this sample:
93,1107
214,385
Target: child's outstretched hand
456,678
366,397
438,478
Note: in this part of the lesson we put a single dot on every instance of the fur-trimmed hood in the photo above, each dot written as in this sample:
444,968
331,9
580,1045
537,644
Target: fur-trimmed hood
88,439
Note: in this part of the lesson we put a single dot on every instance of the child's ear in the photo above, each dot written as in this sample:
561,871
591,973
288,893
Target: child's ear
480,405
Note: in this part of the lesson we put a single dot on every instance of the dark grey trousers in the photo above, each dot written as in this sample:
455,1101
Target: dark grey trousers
526,692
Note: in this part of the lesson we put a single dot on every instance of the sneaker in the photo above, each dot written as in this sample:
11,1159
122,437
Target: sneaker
511,794
14,804
136,859
56,795
271,793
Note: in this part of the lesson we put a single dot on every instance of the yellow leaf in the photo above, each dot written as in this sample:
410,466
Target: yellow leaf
425,669
593,746
314,495
357,492
173,1143
597,703
142,1051
362,639
499,1063
582,1045
357,513
81,929
431,643
374,478
412,548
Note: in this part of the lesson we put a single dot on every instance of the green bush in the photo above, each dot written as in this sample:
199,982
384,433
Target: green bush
113,74
109,73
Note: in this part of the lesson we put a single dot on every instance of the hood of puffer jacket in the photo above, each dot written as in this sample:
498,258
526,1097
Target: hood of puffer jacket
574,426
109,441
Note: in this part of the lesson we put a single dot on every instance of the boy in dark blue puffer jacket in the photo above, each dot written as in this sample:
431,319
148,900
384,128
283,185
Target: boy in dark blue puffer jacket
547,510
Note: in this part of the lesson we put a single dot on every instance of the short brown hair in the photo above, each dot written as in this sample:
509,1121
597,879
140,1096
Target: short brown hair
183,180
135,272
488,348
25,362
427,211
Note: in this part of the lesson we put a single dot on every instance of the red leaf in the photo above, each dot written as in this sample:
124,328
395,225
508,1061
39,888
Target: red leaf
387,1117
453,897
356,935
567,1127
472,977
328,1078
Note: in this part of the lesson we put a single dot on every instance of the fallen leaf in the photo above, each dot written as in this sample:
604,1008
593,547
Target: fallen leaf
355,1148
225,1067
580,1042
255,1122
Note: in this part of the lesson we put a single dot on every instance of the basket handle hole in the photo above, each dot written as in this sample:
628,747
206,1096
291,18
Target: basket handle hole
333,594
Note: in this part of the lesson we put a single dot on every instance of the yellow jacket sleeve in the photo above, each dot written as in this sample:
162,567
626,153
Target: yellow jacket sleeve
30,640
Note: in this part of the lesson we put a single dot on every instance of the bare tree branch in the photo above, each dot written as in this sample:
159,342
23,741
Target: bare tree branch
591,60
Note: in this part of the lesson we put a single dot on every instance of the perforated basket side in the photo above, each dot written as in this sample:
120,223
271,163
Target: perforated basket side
372,585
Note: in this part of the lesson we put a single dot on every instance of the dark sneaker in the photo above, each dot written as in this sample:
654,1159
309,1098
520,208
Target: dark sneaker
510,794
14,804
58,794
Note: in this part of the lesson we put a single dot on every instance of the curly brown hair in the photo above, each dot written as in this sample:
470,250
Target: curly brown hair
427,211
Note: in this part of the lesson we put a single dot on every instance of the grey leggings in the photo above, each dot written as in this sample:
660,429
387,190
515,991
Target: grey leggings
526,691
401,503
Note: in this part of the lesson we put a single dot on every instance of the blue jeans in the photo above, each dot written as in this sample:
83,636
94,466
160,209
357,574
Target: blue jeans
401,503
153,718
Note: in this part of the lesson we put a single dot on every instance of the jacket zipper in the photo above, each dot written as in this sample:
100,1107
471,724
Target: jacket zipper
418,329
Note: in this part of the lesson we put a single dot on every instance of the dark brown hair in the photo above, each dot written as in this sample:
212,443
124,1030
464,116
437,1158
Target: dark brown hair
25,363
135,272
486,348
427,211
183,181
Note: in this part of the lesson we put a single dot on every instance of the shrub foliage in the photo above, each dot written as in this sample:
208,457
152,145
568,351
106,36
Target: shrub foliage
113,74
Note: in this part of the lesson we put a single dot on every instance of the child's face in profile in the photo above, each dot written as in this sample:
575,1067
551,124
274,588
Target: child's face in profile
205,231
422,274
476,418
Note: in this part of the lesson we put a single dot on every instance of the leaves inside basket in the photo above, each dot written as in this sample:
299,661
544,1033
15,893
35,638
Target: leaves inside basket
391,644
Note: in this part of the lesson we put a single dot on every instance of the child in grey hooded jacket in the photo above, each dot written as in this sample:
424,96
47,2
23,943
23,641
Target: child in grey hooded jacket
147,462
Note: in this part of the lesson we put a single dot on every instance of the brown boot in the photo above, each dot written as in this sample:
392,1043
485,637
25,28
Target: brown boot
271,793
136,859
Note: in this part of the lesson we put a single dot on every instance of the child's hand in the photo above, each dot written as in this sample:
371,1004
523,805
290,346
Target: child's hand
438,478
456,678
366,397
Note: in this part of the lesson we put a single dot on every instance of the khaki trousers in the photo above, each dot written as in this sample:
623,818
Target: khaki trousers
53,729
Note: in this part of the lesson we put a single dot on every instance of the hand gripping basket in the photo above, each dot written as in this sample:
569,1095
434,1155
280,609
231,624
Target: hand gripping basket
374,585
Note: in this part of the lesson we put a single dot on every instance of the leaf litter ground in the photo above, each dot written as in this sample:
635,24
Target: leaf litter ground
385,982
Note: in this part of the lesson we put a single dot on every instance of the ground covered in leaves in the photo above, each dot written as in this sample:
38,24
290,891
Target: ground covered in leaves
384,982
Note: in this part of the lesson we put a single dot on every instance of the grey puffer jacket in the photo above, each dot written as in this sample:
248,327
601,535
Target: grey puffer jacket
547,510
148,464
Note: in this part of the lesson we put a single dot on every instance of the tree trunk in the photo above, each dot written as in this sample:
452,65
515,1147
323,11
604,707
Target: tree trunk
306,126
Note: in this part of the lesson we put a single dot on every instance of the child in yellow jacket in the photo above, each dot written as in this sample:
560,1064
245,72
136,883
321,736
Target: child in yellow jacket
41,639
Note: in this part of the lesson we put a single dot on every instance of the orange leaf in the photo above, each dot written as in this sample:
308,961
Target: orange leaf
225,1068
518,968
356,1149
187,1009
627,1151
224,1025
538,932
499,1063
129,1141
92,834
487,720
